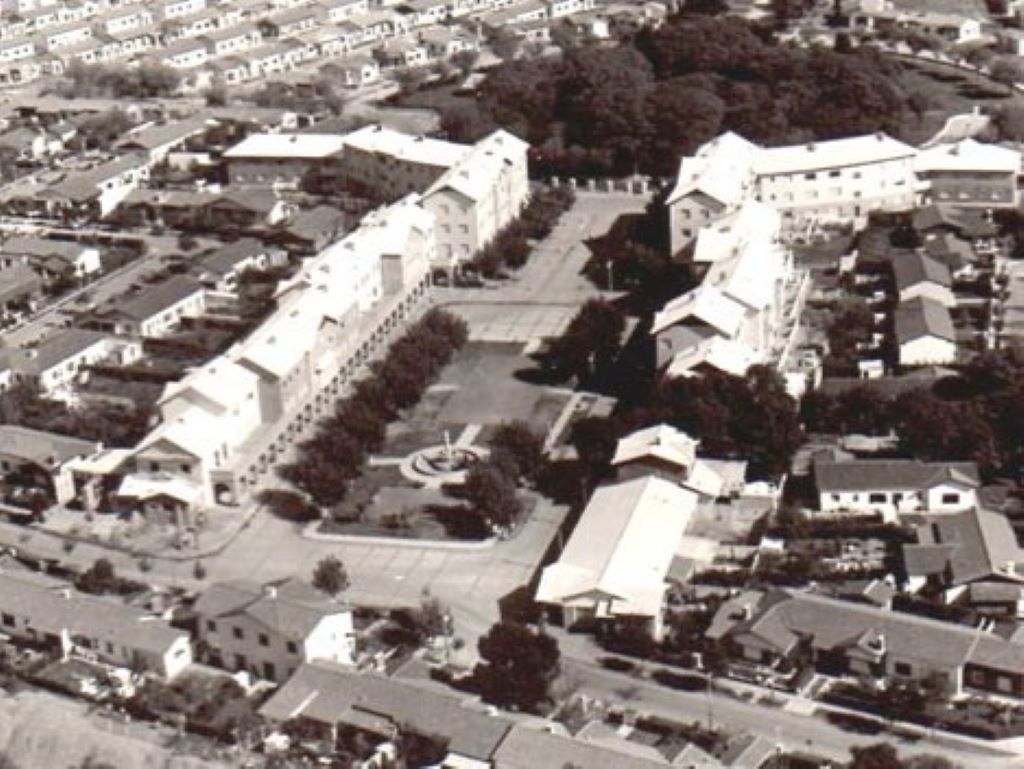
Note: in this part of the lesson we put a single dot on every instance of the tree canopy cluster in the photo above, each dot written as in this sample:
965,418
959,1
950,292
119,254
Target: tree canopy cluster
666,91
977,415
146,81
328,461
590,344
518,666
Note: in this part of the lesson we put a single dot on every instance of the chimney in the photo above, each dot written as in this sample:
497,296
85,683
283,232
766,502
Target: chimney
270,591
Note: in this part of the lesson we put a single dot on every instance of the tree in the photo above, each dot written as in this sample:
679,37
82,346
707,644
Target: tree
492,494
288,505
465,61
518,666
595,440
1007,71
520,444
590,343
878,756
433,617
330,576
705,7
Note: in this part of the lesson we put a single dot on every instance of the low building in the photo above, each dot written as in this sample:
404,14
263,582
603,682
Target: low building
55,363
969,173
665,452
971,559
52,259
95,193
919,276
924,333
329,698
42,458
20,289
895,486
271,630
616,562
93,627
158,140
154,312
220,270
846,638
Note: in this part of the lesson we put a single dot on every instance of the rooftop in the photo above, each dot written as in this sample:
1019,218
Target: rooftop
297,146
921,317
892,474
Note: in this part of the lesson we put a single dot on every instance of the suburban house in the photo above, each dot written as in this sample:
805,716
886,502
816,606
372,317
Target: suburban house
744,310
42,458
894,487
971,559
20,288
221,269
920,276
310,230
158,140
96,192
331,698
668,453
52,259
42,611
56,362
845,638
154,312
841,180
877,15
478,196
969,173
271,630
615,564
924,333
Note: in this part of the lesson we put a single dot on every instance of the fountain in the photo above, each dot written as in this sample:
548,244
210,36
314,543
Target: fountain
442,464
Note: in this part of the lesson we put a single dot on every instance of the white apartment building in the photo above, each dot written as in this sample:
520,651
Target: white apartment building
810,184
746,306
481,194
260,394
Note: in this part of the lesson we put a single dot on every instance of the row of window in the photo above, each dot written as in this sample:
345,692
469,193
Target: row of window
262,638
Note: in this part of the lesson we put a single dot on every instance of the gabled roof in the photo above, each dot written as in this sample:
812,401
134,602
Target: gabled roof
17,281
476,172
47,450
622,547
892,474
914,268
706,304
300,146
158,135
225,259
968,155
835,153
726,355
720,169
157,298
381,140
921,317
53,351
327,693
530,748
290,608
660,441
965,547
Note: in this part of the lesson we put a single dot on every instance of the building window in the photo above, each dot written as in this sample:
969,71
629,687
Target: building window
268,671
264,641
8,619
876,498
977,678
293,647
952,498
902,669
211,626
1004,684
237,633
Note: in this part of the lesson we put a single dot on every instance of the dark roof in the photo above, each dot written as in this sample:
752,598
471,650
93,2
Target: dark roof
159,134
258,200
950,250
333,694
314,223
963,547
57,349
158,298
84,185
224,260
921,317
47,450
532,748
290,608
17,281
913,268
892,474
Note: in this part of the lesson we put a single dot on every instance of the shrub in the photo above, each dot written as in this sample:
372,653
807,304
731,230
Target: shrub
288,505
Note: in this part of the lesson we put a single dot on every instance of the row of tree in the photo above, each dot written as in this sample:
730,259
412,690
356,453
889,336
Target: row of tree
146,81
329,460
511,247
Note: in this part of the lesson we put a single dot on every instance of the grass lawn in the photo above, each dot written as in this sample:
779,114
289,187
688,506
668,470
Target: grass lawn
950,92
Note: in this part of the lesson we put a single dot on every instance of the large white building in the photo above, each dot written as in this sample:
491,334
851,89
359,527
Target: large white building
809,184
746,307
616,563
228,421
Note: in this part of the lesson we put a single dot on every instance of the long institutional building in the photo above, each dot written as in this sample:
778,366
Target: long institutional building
736,205
228,421
473,191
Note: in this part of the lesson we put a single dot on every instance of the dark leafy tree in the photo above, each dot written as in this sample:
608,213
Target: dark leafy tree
595,439
330,576
492,494
523,446
518,666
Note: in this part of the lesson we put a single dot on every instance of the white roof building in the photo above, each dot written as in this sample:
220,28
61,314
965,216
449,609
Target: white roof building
660,441
968,156
720,169
279,146
381,140
835,153
617,559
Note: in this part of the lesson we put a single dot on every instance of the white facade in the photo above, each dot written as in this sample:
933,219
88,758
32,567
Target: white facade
927,350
